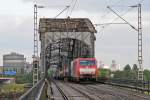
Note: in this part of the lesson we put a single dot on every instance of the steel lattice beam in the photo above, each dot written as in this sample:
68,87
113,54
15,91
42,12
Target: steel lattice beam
35,55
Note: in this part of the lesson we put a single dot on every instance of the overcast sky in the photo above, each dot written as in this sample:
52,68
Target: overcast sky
114,42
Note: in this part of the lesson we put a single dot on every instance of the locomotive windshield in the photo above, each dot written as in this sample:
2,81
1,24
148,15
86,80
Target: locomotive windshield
87,62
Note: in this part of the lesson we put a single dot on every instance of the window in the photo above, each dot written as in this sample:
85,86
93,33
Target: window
87,62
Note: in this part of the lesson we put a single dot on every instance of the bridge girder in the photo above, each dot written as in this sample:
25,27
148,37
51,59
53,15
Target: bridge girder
59,51
65,39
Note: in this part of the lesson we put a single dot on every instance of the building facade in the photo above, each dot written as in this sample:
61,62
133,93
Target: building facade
1,70
114,66
14,62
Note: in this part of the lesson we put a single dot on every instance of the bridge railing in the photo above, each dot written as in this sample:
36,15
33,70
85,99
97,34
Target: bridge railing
35,92
140,86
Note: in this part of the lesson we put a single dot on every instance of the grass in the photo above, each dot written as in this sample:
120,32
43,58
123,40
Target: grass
12,88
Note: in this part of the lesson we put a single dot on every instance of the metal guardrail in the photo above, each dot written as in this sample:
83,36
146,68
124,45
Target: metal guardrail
140,86
35,92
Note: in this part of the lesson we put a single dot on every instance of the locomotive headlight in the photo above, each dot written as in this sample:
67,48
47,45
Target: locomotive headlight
87,70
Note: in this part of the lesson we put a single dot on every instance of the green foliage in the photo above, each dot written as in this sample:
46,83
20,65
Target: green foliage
12,88
118,74
129,73
50,72
135,71
23,78
147,75
135,67
104,73
127,68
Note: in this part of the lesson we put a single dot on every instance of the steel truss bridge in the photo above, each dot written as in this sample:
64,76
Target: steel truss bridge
63,40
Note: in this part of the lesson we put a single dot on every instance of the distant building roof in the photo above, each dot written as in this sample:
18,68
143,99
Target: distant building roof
66,25
106,67
13,54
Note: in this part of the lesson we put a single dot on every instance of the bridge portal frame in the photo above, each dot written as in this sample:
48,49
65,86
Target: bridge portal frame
53,34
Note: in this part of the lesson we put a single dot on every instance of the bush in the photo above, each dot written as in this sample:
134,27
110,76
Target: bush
24,78
12,88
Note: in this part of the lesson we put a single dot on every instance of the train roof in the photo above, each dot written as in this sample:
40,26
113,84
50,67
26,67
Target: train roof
85,59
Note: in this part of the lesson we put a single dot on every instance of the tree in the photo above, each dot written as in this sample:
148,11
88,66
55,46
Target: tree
134,71
50,72
127,74
147,75
135,67
118,74
23,78
127,68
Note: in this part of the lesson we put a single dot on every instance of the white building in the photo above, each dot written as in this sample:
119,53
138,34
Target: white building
14,62
114,66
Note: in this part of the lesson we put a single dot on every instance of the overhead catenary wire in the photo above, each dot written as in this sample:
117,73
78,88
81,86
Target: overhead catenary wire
122,18
73,7
141,1
69,8
62,11
105,25
116,5
122,14
102,17
48,6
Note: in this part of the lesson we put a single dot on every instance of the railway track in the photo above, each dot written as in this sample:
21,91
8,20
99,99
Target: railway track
127,91
132,91
73,91
106,95
61,91
83,93
118,94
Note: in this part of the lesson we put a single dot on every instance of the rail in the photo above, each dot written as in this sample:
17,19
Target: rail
140,86
61,91
35,92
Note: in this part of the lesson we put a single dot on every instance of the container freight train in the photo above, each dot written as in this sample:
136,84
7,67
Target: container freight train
80,69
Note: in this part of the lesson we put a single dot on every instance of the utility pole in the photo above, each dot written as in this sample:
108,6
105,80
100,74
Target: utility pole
140,49
35,55
139,30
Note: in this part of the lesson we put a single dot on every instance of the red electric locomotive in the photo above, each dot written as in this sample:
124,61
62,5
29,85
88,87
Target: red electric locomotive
84,69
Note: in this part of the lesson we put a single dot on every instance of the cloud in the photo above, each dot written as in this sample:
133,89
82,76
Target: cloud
117,42
16,36
15,29
95,5
28,1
